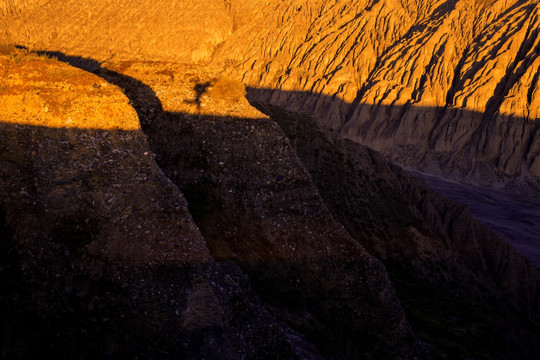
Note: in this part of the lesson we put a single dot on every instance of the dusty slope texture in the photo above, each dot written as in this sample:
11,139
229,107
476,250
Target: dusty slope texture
100,256
119,29
255,204
464,290
450,87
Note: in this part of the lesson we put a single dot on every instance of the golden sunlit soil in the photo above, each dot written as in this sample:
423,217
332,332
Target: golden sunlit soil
112,29
40,91
191,89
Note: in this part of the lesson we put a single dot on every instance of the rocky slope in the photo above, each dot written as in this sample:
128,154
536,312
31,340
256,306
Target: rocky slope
272,252
449,87
102,251
430,245
100,255
256,204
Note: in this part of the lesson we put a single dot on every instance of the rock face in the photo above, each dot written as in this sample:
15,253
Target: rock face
448,87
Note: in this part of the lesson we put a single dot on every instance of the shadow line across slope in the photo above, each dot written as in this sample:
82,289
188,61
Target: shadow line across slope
208,198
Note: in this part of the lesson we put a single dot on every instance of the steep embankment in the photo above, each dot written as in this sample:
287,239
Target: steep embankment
256,204
449,87
100,255
432,247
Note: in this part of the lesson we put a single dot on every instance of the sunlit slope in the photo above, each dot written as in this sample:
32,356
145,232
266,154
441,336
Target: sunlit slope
39,91
119,29
448,87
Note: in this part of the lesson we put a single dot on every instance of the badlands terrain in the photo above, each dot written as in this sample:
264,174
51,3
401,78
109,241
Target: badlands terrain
225,179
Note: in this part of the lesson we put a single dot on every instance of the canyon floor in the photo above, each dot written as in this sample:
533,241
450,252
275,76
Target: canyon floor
514,217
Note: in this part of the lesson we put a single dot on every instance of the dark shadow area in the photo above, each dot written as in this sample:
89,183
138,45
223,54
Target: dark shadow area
255,205
432,248
58,299
412,143
514,219
66,292
380,221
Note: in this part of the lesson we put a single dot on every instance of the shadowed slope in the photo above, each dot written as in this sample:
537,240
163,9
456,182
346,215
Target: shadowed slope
427,241
255,204
464,289
515,219
100,255
514,189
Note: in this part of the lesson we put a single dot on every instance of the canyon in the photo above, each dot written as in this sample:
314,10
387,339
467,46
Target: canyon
220,180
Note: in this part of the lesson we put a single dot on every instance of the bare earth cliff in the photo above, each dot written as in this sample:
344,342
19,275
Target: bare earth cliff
450,87
148,210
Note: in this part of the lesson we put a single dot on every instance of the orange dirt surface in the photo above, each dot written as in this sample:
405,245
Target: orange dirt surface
41,91
188,88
